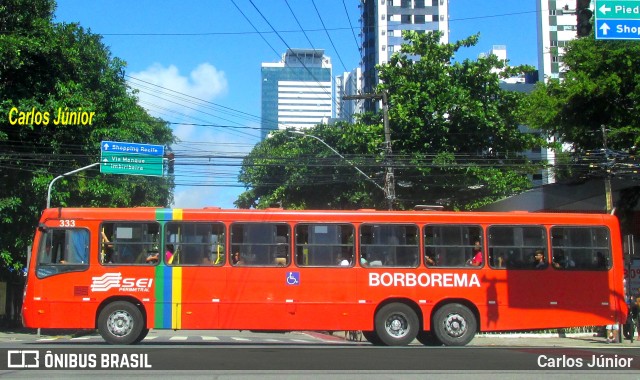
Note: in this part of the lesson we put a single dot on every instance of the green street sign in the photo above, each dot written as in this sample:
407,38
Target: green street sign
132,159
620,9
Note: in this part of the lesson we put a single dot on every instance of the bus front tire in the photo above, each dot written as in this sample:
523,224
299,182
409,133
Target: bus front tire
121,322
396,324
454,325
143,334
372,337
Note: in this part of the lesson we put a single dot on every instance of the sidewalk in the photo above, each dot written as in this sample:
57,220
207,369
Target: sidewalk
21,333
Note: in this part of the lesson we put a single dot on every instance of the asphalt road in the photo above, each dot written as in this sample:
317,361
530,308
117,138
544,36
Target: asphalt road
233,354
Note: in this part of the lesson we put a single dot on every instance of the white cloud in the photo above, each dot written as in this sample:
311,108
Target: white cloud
205,83
162,92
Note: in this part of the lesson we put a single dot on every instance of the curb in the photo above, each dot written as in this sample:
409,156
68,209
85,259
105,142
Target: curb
534,335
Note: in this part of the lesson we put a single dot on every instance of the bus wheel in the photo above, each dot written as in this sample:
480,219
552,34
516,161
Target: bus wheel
428,338
371,337
454,325
121,322
143,334
396,324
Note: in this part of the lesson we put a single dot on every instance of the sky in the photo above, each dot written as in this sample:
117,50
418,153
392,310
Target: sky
196,64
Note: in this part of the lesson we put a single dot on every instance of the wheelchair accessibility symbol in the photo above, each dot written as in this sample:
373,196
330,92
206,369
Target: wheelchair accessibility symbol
293,278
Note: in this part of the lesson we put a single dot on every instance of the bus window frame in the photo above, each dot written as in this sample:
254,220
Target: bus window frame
306,245
530,265
372,264
61,267
112,244
464,247
272,247
178,245
576,267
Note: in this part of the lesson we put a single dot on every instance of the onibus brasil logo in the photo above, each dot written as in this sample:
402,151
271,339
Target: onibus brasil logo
114,280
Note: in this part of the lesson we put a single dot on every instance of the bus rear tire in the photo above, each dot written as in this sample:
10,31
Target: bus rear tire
396,324
121,322
454,325
427,338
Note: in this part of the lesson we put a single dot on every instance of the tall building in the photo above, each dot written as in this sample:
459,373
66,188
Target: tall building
348,84
297,91
556,26
382,24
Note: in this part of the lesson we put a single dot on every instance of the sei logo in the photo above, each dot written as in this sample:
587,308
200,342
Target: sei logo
137,282
114,280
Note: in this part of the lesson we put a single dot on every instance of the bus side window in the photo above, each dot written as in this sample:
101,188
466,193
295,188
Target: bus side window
390,245
581,248
62,250
194,243
453,244
128,242
324,244
516,245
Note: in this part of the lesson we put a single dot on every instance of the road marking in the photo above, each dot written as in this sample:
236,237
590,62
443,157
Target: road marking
240,339
179,338
210,338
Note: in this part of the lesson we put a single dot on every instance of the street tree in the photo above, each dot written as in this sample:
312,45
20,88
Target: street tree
48,67
597,103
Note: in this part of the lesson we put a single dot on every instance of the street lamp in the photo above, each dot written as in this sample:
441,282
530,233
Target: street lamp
349,162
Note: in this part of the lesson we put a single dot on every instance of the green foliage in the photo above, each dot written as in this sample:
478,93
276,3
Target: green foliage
295,172
601,88
48,67
456,140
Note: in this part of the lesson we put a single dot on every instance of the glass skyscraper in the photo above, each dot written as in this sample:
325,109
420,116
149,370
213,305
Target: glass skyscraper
297,91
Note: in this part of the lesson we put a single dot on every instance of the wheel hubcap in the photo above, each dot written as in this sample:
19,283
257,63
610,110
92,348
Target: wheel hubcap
455,325
120,323
397,325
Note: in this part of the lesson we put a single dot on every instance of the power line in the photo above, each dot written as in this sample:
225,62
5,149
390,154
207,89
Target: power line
328,35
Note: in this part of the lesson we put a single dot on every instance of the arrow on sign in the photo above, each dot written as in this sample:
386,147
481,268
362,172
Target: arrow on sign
106,146
605,28
604,9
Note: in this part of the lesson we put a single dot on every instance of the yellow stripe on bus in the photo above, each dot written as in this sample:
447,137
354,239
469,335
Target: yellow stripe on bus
177,214
176,298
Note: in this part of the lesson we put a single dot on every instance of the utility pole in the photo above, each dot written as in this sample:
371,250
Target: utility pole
607,173
389,178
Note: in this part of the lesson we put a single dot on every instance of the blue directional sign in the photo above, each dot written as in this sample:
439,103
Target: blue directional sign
617,19
130,158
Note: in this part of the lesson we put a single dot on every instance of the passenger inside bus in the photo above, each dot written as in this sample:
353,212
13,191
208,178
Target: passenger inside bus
168,255
363,259
152,257
429,260
539,260
281,253
601,261
560,261
237,259
476,260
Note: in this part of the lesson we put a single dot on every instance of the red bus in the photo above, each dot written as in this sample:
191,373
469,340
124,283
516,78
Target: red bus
395,275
